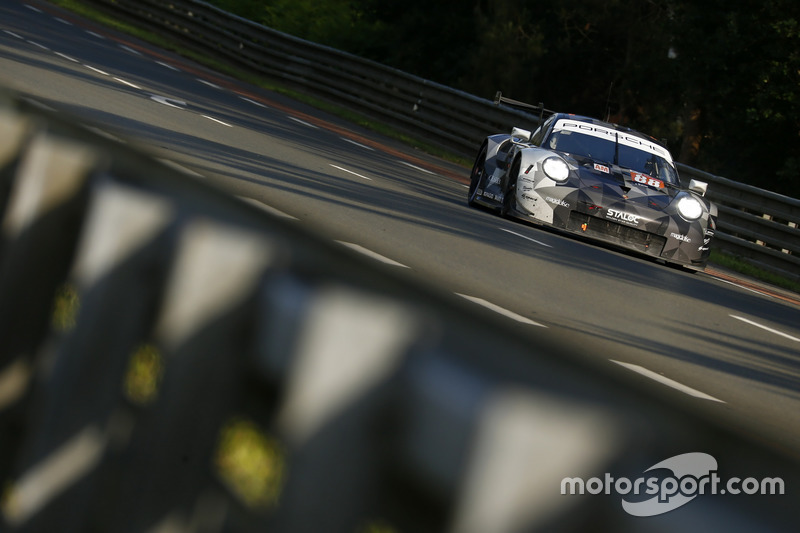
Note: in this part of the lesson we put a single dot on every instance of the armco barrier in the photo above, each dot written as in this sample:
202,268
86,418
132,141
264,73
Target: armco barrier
174,359
754,224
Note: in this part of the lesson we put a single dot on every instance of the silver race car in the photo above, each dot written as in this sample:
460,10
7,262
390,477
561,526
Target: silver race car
599,180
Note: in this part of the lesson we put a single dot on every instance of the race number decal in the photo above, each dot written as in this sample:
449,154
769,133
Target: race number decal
638,177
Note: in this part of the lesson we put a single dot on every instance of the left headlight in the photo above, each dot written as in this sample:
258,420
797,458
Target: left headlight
555,168
690,208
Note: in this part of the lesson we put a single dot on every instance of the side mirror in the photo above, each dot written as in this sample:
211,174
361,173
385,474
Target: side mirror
699,187
522,135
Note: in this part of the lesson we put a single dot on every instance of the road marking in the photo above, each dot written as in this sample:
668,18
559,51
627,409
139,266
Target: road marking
167,65
268,208
351,141
104,73
179,104
43,47
303,122
216,120
68,58
415,167
501,310
259,104
129,84
765,328
373,255
93,34
668,382
11,33
33,8
62,21
525,237
351,172
131,50
212,85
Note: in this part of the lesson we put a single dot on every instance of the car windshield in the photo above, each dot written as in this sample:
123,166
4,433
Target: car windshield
608,146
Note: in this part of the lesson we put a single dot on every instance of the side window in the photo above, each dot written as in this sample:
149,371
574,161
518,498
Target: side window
538,135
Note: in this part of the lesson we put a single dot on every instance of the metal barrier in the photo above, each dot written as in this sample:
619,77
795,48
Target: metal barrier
174,359
754,224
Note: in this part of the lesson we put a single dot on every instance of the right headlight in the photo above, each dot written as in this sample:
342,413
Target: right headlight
555,168
690,208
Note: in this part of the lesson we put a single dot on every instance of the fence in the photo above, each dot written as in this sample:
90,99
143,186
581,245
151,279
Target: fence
174,359
754,224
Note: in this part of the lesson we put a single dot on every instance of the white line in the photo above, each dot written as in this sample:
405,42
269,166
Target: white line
351,172
93,34
62,21
180,168
168,66
216,120
303,122
131,50
33,8
351,141
775,331
259,104
415,167
204,82
129,84
104,73
666,381
373,255
525,237
268,208
11,33
34,43
501,310
68,58
740,286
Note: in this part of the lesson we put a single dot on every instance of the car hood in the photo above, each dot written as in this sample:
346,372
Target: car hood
624,185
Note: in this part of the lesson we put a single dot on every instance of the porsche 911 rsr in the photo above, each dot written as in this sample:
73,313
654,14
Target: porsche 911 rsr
598,180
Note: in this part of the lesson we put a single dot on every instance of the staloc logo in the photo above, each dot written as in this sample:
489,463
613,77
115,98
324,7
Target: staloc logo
623,216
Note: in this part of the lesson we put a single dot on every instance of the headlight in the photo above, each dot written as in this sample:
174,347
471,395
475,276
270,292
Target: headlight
690,208
556,168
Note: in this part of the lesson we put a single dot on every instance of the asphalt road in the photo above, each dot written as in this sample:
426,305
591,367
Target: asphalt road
727,350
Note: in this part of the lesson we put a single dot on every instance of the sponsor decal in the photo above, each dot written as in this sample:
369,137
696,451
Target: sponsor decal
556,201
602,168
612,135
680,237
622,216
638,177
671,484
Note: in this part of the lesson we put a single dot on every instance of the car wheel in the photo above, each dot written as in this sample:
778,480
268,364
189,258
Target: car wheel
510,190
476,177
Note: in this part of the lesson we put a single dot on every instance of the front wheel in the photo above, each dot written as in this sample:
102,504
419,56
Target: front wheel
476,177
510,190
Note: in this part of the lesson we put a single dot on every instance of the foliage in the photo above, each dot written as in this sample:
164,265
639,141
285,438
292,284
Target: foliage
717,79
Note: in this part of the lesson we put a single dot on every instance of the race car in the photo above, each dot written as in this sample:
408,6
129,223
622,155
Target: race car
598,180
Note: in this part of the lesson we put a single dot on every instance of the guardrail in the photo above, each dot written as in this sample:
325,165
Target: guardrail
173,358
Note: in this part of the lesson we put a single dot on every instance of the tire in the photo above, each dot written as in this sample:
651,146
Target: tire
510,190
476,176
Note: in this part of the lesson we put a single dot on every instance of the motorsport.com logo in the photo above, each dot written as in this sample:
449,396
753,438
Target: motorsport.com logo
693,474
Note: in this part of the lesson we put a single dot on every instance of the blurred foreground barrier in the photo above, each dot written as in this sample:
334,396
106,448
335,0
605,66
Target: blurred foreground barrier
173,359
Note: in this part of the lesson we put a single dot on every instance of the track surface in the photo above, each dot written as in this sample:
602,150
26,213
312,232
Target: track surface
725,347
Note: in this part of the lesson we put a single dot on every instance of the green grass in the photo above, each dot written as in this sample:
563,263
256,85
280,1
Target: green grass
747,269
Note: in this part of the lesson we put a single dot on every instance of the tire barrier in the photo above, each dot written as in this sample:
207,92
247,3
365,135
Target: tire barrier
175,359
